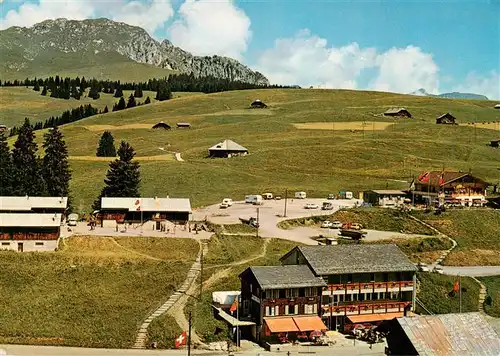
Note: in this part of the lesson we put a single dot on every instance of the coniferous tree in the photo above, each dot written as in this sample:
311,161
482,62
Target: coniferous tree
131,101
121,104
94,93
118,92
163,92
138,92
123,177
147,101
36,87
56,171
26,170
44,91
5,167
106,146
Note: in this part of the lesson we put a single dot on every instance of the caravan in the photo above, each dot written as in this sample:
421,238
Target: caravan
254,199
300,195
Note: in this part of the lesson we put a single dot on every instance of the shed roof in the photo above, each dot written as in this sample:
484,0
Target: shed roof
339,259
291,276
451,334
446,115
394,110
147,204
30,220
388,192
27,203
227,145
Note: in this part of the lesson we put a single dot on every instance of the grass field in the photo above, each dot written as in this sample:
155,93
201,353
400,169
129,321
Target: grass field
342,126
477,233
93,292
492,304
284,157
434,292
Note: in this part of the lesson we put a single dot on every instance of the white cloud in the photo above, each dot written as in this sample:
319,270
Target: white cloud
150,15
207,27
488,85
307,59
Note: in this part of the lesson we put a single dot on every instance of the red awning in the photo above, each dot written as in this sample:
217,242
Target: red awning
309,323
281,325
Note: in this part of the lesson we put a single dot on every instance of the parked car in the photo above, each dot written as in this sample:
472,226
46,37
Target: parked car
227,201
277,197
336,225
331,196
72,219
423,267
326,224
311,206
267,196
223,206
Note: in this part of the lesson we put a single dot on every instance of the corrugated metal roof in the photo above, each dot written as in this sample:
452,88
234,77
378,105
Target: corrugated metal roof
147,204
339,259
451,334
30,220
227,145
27,203
291,276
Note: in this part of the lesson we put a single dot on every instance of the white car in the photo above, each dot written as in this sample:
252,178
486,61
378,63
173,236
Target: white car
311,206
327,224
227,201
336,225
223,206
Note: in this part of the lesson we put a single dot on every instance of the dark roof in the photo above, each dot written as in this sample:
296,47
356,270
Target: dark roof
446,115
451,334
363,258
162,125
292,276
432,178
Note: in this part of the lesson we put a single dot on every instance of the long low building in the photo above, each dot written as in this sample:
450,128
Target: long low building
136,210
30,231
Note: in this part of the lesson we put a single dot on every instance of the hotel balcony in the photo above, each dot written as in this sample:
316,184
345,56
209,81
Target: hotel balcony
366,307
368,287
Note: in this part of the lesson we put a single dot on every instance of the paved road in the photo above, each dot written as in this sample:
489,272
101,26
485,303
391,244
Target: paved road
472,271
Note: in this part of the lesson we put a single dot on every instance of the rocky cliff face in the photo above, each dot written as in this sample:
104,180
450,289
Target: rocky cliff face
20,46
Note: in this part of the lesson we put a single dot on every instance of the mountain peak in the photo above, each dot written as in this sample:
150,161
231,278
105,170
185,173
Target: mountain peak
453,95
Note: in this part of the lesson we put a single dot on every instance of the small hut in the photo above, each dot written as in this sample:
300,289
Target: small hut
183,125
446,119
397,112
495,143
497,106
227,149
257,104
162,125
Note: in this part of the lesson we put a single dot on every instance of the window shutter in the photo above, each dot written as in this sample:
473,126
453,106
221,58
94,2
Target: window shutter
296,309
277,310
267,311
287,310
315,308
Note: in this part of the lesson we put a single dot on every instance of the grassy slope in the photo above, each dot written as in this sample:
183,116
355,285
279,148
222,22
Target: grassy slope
16,103
434,292
477,233
91,293
493,288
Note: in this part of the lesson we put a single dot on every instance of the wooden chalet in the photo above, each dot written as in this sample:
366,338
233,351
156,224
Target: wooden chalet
449,189
284,302
398,112
183,125
366,283
447,119
495,143
115,211
257,104
227,149
161,125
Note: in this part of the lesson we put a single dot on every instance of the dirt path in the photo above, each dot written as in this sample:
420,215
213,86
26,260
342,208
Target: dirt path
135,252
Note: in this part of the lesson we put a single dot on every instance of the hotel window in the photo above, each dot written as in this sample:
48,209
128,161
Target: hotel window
394,295
272,294
308,309
310,292
251,288
361,297
272,311
5,243
38,243
292,293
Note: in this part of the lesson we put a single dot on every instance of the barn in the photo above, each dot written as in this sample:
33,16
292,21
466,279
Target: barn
131,210
398,112
162,125
446,119
227,149
258,104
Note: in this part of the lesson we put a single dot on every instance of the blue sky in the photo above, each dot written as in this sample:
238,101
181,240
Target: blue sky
382,45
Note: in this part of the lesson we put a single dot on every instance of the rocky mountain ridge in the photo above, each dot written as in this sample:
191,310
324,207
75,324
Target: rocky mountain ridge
90,38
454,95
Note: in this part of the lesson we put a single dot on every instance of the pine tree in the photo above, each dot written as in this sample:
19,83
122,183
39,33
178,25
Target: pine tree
56,171
118,92
44,91
106,110
163,92
131,101
106,146
138,92
147,101
123,177
36,87
94,93
5,167
26,172
121,104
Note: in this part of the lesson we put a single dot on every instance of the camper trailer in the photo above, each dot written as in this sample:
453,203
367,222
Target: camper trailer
268,196
254,199
72,219
300,195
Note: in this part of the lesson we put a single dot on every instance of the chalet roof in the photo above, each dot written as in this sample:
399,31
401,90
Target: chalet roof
161,124
432,178
291,276
227,145
28,203
446,115
451,334
147,204
394,110
388,192
30,220
339,259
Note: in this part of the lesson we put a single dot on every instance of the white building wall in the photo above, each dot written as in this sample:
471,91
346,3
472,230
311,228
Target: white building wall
30,245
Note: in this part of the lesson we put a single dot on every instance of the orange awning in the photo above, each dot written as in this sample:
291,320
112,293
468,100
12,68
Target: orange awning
281,325
309,323
368,318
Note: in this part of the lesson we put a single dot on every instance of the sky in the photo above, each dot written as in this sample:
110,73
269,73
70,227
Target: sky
386,45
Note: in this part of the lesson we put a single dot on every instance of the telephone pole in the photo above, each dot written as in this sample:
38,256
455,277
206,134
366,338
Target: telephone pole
286,198
258,222
189,335
201,270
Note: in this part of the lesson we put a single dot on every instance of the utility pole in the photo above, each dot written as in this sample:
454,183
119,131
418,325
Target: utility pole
238,321
201,270
460,292
189,335
286,198
258,222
